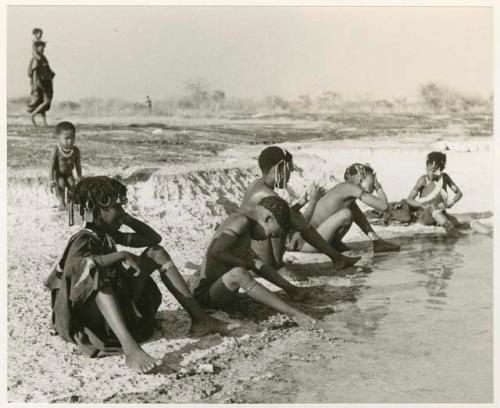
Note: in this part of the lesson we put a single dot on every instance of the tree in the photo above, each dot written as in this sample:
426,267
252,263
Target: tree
432,96
198,91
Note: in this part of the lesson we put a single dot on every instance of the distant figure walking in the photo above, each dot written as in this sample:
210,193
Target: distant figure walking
149,105
41,77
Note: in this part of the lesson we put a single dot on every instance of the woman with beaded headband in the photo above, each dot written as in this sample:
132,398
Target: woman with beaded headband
105,300
337,210
276,165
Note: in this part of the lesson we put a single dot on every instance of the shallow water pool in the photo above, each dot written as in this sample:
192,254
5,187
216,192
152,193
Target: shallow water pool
420,330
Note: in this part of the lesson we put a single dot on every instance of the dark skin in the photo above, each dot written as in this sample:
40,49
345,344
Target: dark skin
264,187
61,168
230,250
109,220
231,247
337,210
41,109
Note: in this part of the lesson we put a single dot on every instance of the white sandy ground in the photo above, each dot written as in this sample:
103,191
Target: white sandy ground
184,203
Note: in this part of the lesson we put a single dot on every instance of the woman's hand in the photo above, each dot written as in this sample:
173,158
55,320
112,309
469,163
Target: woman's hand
315,193
376,184
250,262
133,261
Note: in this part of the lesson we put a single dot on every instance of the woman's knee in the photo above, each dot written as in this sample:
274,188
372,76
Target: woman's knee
345,215
238,276
158,254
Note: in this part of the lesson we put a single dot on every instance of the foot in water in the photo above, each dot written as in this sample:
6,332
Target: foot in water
303,320
383,246
451,231
299,294
211,325
141,361
454,233
344,262
340,246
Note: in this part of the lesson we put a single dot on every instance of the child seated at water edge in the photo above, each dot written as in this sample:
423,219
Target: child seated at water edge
65,157
229,264
103,306
337,210
430,199
276,165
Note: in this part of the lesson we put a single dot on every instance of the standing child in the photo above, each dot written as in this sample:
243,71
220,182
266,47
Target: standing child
229,263
103,306
430,199
65,157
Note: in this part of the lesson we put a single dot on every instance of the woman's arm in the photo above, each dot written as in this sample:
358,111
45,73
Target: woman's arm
120,256
112,258
220,250
379,202
143,235
456,190
315,194
413,194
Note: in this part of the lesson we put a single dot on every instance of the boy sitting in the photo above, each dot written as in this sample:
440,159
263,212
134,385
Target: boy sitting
65,157
229,261
337,210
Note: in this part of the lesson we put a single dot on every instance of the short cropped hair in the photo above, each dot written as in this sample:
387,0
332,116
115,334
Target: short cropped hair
438,159
272,155
358,169
62,126
37,30
279,209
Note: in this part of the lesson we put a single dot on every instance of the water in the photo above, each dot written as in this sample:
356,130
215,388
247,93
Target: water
421,330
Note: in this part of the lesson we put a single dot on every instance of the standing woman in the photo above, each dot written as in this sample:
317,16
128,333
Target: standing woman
41,77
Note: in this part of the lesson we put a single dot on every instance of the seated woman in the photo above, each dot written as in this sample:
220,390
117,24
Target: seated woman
337,210
430,199
97,302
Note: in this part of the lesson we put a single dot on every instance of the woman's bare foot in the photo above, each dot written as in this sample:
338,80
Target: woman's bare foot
383,246
62,207
33,120
211,325
299,294
343,261
481,228
303,320
140,361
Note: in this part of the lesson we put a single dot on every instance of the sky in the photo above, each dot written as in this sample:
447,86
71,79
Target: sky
131,52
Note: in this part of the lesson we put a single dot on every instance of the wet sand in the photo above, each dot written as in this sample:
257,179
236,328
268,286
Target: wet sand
389,335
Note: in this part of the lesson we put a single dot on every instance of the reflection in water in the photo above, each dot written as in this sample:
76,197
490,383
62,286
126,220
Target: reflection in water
436,259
